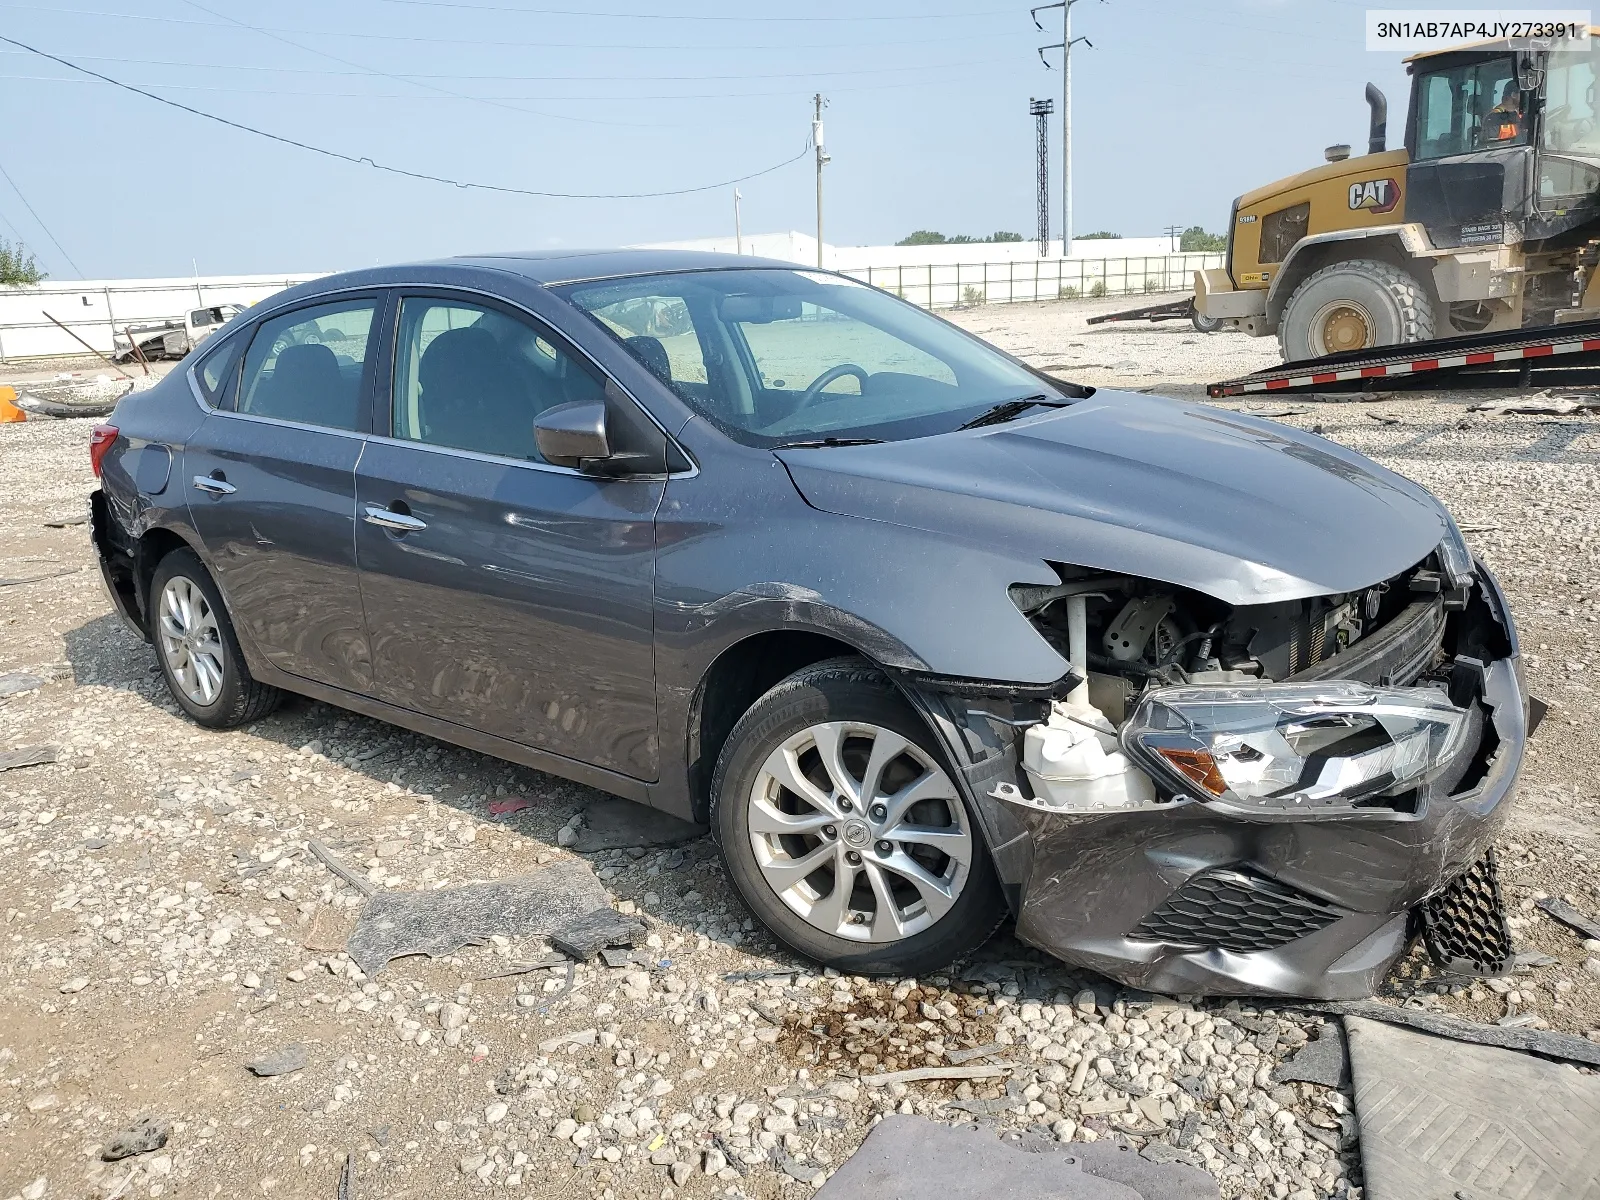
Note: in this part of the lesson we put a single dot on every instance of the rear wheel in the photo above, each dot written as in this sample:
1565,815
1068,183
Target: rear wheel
844,830
198,650
1353,306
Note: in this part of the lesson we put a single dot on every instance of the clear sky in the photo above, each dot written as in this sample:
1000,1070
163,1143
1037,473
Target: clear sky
1179,106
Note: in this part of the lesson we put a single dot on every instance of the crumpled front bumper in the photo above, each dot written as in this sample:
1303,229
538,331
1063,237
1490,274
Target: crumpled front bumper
1192,901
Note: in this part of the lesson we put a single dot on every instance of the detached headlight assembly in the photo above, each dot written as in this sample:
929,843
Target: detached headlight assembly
1285,748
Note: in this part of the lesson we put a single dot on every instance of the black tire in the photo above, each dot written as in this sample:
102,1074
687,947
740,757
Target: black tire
1397,306
1205,324
239,699
843,689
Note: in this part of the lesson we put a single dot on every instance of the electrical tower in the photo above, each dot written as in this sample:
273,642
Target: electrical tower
1041,110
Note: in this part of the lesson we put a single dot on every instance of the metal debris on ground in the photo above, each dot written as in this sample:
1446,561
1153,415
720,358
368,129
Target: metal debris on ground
64,522
347,1177
330,860
1534,1041
524,969
144,1135
1439,1120
1540,403
17,581
437,923
587,935
916,1074
910,1156
27,756
1323,1061
611,823
501,808
283,1061
1571,917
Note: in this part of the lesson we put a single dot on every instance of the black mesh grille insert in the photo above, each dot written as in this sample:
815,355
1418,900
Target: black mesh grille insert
1235,910
1464,926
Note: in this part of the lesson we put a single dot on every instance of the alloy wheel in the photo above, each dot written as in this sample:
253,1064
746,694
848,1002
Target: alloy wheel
191,642
859,831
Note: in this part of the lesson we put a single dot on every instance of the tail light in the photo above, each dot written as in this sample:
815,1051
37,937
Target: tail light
99,442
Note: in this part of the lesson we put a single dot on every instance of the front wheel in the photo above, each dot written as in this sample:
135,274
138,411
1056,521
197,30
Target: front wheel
1353,306
843,828
198,650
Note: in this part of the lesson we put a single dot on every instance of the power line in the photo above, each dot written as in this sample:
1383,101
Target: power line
535,45
567,98
377,166
656,16
431,87
626,78
41,223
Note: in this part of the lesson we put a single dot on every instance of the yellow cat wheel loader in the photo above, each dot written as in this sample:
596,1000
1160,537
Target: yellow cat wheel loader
1487,220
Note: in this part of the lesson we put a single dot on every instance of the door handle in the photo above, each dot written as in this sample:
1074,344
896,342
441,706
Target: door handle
214,486
387,518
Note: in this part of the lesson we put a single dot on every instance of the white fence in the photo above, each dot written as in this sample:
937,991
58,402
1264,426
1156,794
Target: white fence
947,285
92,309
48,320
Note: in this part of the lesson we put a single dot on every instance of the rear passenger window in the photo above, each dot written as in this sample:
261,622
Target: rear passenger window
215,368
306,365
474,378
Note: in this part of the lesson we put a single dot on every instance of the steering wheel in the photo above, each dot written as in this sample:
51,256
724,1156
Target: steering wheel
809,396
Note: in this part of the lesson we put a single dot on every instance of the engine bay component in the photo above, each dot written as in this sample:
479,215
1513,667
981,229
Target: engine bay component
1130,632
1074,764
1283,749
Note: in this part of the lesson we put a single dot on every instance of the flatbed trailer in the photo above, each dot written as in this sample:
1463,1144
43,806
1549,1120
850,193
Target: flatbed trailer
1558,354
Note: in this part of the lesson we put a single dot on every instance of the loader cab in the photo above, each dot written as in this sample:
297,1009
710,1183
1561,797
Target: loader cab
1503,145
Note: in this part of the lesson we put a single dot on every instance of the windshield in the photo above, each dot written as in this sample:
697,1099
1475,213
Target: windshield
774,357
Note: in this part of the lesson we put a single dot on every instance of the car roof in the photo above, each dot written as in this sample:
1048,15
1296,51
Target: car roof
571,266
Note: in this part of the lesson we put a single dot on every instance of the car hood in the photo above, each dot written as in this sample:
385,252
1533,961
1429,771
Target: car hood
1243,509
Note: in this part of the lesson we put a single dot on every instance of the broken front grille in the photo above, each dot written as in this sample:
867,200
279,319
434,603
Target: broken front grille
1235,910
1464,926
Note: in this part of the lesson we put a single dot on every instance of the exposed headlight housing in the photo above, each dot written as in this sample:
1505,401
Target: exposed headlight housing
1455,556
1280,749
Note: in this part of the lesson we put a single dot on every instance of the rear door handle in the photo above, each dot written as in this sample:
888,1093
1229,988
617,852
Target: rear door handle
216,487
387,518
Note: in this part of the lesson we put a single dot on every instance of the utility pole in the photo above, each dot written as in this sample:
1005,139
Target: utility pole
1065,46
822,160
738,232
1172,232
1041,109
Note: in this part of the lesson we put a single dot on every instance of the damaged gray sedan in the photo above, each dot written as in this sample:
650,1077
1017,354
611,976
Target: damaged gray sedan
928,638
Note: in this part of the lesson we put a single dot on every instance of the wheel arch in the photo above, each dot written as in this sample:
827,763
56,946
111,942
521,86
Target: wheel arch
736,678
149,549
1399,246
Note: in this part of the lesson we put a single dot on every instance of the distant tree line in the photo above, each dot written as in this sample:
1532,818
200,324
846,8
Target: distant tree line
17,265
930,237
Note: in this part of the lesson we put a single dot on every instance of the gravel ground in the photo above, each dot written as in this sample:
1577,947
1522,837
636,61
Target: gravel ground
166,924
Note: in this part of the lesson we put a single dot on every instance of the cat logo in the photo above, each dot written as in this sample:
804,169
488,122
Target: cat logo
1374,195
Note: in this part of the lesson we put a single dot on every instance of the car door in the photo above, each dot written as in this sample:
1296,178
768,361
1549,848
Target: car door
502,592
271,480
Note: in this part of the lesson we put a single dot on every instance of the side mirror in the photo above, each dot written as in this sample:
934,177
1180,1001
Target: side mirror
569,434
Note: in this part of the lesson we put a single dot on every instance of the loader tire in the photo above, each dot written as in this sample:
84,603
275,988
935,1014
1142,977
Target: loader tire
1352,306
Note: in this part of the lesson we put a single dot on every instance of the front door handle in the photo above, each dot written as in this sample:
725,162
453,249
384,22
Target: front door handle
214,486
387,518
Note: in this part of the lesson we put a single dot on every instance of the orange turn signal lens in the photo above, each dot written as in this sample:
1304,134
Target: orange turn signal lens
1198,767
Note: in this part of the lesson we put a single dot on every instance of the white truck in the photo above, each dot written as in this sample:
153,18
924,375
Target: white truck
174,338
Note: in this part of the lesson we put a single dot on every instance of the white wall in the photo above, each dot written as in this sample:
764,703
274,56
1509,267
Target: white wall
797,247
91,307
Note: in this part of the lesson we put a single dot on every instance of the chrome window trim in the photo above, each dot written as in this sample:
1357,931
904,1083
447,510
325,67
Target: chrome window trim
529,464
400,289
